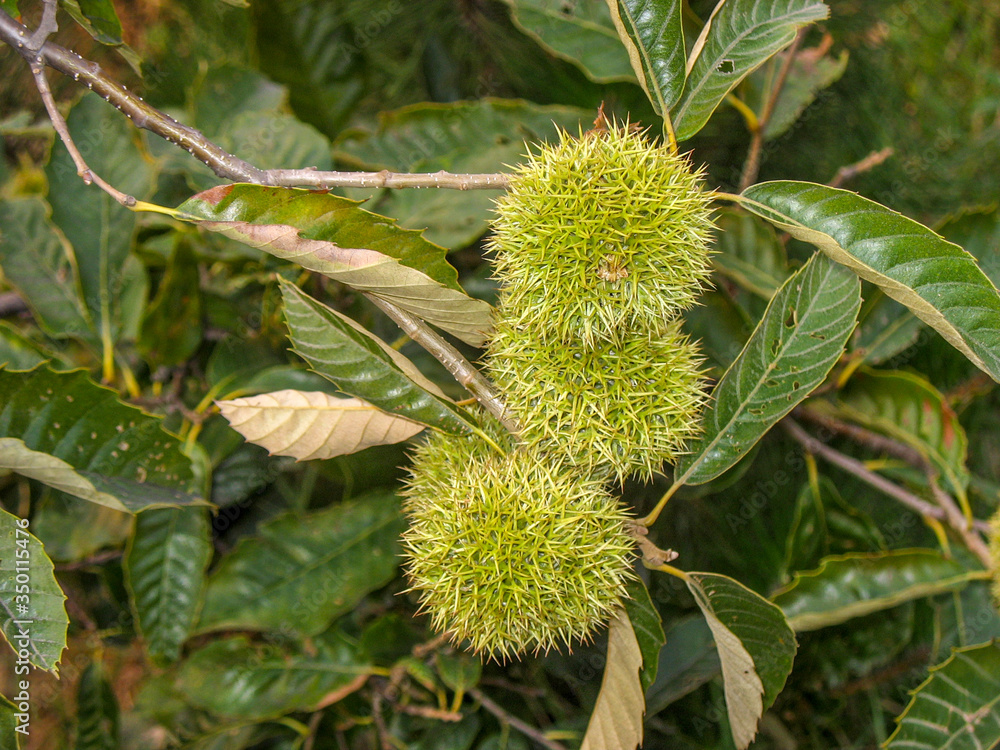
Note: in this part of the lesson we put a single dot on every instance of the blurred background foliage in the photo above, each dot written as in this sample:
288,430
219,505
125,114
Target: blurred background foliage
458,85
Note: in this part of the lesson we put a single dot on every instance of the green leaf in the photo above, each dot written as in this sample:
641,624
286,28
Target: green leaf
300,573
581,32
957,706
688,660
938,281
9,736
740,36
747,251
756,648
648,629
165,566
65,431
616,723
481,136
10,8
810,72
908,408
100,230
459,671
653,35
97,711
98,17
362,366
886,330
857,584
37,261
36,603
18,351
807,537
332,236
237,679
171,326
978,231
796,343
720,327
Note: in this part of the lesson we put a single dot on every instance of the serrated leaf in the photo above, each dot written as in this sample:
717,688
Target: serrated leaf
360,365
756,648
800,337
238,679
62,429
44,623
938,281
739,37
301,572
688,660
331,235
747,251
165,566
18,350
908,408
308,425
99,229
957,706
616,723
653,36
885,331
581,33
857,584
97,711
648,629
38,262
482,136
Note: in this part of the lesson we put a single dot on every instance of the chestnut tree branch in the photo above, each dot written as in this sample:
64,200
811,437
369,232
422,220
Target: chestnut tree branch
752,165
225,165
39,52
858,469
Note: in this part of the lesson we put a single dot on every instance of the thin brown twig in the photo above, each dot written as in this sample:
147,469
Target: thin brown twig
228,166
952,514
850,171
225,165
752,164
509,718
859,470
86,173
863,436
463,371
957,520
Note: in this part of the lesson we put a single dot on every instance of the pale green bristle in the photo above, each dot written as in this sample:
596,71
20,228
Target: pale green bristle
512,552
622,408
602,232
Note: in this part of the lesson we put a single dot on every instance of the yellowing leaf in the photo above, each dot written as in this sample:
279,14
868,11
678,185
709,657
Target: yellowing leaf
616,723
307,425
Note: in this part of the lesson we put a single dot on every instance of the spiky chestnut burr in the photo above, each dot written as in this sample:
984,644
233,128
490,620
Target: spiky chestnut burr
620,408
511,552
599,233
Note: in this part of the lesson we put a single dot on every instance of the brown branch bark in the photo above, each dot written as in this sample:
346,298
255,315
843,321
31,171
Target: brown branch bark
225,165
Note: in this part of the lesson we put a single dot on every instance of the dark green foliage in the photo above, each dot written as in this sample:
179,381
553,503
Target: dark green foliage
281,617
